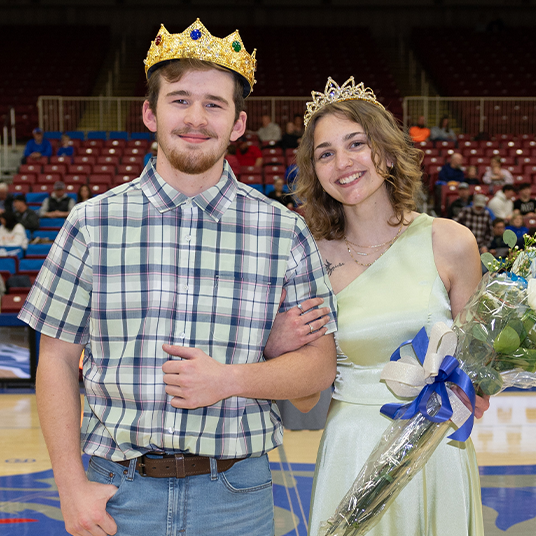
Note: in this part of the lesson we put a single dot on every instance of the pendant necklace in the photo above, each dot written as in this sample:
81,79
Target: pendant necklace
389,243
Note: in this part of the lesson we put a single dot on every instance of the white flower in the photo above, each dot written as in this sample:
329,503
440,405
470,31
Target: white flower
531,294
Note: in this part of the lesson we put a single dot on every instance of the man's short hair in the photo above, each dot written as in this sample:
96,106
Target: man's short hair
497,221
524,186
175,70
508,187
20,197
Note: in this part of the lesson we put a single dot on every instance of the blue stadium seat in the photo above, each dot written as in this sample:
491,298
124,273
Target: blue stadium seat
53,135
33,198
118,135
96,135
76,134
8,265
30,266
141,136
51,223
37,251
51,235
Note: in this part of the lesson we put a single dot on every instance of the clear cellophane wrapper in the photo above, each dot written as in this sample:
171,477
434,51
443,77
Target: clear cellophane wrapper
496,348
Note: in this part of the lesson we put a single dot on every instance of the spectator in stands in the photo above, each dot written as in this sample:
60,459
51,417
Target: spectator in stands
248,154
12,233
496,175
443,132
518,227
66,147
269,131
151,153
233,160
291,138
6,199
498,247
279,194
452,170
464,200
84,193
27,217
37,147
471,175
298,125
58,204
502,204
419,132
525,204
478,220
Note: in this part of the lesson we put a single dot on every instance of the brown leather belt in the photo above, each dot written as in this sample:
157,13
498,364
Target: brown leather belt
177,465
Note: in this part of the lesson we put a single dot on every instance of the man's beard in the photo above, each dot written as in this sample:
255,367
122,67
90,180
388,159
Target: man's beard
191,162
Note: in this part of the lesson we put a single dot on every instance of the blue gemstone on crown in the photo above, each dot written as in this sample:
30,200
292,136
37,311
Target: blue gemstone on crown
195,34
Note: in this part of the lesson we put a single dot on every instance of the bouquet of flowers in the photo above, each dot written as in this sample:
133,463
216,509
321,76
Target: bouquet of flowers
494,341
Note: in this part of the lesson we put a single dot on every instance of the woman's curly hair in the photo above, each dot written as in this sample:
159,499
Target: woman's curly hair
388,143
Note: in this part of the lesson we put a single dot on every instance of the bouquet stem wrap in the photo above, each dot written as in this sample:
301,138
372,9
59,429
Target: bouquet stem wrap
495,346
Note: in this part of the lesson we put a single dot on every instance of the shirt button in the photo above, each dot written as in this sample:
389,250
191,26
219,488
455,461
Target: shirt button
184,287
182,336
170,430
188,238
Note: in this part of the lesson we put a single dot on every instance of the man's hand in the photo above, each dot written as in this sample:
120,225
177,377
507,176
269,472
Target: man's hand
84,509
196,380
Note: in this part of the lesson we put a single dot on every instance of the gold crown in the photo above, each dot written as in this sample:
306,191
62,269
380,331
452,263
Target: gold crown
197,42
335,93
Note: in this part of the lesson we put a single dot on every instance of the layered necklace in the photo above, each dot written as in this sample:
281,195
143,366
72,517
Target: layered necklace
387,245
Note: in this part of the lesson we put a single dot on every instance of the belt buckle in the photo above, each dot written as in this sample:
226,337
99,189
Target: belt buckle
180,470
140,466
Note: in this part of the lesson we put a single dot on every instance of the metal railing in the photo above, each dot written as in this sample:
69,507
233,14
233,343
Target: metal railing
474,115
63,114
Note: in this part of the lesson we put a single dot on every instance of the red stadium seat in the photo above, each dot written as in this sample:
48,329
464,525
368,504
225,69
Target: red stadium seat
85,159
50,178
12,303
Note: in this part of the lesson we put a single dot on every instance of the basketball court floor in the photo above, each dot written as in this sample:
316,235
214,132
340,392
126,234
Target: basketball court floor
505,440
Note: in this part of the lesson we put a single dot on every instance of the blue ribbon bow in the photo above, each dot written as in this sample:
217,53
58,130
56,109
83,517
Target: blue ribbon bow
449,371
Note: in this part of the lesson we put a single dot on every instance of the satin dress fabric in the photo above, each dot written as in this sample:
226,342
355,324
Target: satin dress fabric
385,306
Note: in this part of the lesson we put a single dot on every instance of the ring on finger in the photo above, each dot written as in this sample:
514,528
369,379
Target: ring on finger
311,328
299,306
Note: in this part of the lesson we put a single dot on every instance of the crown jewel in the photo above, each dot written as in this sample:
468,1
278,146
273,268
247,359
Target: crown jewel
197,42
335,93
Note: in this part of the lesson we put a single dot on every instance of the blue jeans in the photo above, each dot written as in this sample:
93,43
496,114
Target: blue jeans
237,502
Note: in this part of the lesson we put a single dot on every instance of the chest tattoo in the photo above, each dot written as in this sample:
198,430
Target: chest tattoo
331,267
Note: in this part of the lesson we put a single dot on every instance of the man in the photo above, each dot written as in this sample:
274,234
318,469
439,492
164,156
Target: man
502,203
476,218
172,283
37,147
452,170
464,199
525,204
6,199
279,193
26,216
58,204
419,132
248,154
269,131
498,247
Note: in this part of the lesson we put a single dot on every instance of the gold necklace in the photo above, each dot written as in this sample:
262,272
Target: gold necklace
389,243
376,245
364,263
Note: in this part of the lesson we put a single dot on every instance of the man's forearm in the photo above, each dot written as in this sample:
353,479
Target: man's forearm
58,405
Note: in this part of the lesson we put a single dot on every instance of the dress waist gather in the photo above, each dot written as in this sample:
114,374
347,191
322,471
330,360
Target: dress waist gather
362,385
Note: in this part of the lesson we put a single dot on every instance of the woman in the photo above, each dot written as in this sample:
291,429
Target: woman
496,175
393,271
84,193
443,132
12,233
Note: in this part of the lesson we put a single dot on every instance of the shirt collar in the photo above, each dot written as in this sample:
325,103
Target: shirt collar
214,201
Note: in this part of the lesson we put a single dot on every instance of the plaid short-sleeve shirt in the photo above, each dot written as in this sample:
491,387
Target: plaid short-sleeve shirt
144,265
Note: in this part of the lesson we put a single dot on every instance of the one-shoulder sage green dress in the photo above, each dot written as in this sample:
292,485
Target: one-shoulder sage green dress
385,306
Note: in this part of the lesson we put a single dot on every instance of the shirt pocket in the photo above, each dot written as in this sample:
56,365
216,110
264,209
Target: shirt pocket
243,311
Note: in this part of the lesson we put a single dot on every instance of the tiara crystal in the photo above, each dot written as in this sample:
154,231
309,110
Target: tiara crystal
197,42
335,93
